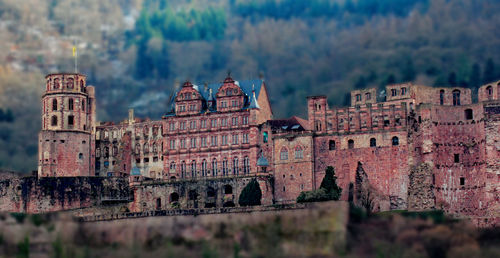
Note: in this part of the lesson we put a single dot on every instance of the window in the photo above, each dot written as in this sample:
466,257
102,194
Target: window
106,152
70,83
146,148
98,152
223,122
172,166
350,144
441,97
224,139
331,145
234,121
183,143
489,92
214,167
203,141
182,126
264,137
204,168
224,167
183,169
468,114
246,165
456,98
213,140
53,121
71,121
213,123
245,138
83,105
172,126
115,151
192,124
318,125
245,120
70,104
54,105
299,153
80,156
193,142
395,141
137,148
235,139
228,189
358,97
462,181
368,96
203,124
456,157
284,154
193,169
235,166
56,83
373,142
172,144
403,91
394,92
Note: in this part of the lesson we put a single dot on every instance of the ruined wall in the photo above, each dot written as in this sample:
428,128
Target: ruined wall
421,188
37,195
209,193
387,166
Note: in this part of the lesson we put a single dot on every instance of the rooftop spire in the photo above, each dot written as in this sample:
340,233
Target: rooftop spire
253,101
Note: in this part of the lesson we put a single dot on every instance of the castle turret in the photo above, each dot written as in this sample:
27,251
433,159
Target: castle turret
66,141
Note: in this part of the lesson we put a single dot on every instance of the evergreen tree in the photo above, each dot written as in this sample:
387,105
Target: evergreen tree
251,194
489,71
475,76
329,183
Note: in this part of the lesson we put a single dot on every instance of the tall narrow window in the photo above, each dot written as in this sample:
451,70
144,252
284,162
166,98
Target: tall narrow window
71,121
468,114
299,153
224,167
183,169
214,167
456,98
403,91
54,121
264,137
54,105
70,83
83,105
489,92
373,142
246,165
70,104
204,168
441,97
235,166
193,169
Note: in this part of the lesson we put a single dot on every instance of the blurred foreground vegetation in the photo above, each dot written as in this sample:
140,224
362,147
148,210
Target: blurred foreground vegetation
135,51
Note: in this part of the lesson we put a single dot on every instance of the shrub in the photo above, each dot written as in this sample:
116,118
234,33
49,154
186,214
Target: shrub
251,194
329,190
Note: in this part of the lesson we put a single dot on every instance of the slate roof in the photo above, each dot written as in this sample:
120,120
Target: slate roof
291,124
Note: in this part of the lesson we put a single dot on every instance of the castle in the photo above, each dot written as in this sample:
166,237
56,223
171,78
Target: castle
418,148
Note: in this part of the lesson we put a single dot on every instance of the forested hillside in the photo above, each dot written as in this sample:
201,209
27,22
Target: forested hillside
136,51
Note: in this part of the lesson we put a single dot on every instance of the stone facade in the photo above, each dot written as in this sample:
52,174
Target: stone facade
417,147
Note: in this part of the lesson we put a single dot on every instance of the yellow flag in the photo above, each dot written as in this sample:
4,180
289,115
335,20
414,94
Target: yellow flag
74,51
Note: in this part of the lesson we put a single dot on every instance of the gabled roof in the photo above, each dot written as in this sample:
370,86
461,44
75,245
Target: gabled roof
291,124
247,86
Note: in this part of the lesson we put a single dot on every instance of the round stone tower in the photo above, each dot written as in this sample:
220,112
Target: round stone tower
66,141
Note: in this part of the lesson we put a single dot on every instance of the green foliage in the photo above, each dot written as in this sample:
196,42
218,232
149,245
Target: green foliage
328,190
38,219
23,248
57,248
251,195
19,216
6,116
208,251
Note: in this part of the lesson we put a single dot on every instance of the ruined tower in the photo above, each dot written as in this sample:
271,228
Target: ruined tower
66,141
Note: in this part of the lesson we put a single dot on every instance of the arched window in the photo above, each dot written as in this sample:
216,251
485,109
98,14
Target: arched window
183,169
235,166
368,96
228,189
193,168
80,156
331,145
373,142
70,104
204,168
350,144
83,105
456,98
403,91
395,141
53,121
56,83
155,148
264,137
54,105
82,85
172,167
441,97
224,167
284,154
214,167
70,83
318,125
146,148
246,165
174,197
299,153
